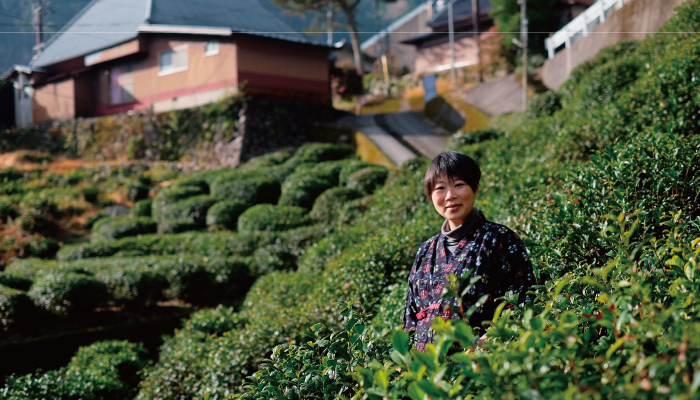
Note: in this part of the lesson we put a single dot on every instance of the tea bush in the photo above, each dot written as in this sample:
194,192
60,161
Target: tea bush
212,244
319,152
68,294
103,370
350,168
461,139
170,195
266,160
251,191
21,274
193,210
328,204
367,180
118,227
225,213
302,188
173,226
16,309
142,208
266,217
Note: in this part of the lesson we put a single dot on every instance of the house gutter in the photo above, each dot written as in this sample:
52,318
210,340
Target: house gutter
185,29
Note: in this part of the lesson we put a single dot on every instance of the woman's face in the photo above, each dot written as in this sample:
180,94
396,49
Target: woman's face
454,200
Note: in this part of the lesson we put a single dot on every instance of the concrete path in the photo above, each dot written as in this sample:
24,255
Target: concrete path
495,98
428,140
386,143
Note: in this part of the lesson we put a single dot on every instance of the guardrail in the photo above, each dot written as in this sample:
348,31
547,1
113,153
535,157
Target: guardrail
580,25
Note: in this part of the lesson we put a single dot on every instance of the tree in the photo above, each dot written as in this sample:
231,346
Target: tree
541,15
347,7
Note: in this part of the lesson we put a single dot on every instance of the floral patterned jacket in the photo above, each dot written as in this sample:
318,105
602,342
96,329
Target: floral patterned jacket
493,251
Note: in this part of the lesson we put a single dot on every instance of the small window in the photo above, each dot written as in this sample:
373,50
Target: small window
211,49
172,61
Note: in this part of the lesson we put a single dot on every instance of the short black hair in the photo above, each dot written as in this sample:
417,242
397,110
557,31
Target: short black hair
456,166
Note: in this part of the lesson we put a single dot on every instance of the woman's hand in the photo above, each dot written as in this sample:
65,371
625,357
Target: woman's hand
479,343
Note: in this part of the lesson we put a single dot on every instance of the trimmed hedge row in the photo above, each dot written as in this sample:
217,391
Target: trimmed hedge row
103,370
302,188
224,214
117,227
251,190
212,244
266,217
328,205
367,180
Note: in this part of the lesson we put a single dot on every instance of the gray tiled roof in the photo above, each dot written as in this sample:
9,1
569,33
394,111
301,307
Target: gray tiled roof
101,24
105,23
462,10
247,16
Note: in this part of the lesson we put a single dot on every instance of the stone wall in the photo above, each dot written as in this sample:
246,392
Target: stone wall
632,22
219,134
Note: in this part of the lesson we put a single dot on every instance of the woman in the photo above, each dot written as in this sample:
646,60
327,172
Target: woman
467,242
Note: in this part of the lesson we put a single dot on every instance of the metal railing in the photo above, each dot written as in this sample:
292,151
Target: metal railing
580,25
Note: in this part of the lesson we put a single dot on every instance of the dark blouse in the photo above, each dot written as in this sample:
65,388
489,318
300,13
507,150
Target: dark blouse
494,251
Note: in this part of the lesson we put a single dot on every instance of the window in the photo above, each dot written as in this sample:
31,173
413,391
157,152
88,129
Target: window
121,84
172,61
211,49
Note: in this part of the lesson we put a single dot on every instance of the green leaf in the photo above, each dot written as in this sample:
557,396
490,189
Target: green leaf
400,342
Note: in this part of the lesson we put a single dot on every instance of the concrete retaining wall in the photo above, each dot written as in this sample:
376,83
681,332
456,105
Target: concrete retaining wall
632,22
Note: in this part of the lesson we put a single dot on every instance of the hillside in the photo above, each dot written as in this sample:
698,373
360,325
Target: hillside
16,17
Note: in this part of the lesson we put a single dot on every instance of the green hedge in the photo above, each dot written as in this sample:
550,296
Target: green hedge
319,152
16,309
288,247
211,244
251,191
302,188
367,180
193,210
266,160
266,217
224,214
350,168
118,227
103,370
142,208
328,205
173,226
166,198
461,139
68,294
22,273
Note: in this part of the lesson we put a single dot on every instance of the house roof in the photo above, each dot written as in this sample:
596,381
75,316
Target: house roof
101,24
462,10
394,26
106,23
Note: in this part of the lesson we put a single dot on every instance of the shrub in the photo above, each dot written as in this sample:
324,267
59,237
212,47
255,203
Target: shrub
43,247
103,370
319,152
132,285
7,208
137,191
266,217
266,160
172,226
225,213
90,194
16,309
351,167
142,208
287,248
544,104
367,180
68,294
192,210
301,189
327,206
461,139
211,244
21,274
252,190
352,211
118,227
169,196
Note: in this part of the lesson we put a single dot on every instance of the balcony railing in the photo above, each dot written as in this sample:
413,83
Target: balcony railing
581,25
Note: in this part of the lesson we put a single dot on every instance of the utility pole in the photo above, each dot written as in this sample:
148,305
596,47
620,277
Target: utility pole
451,23
523,40
522,43
329,22
38,22
475,18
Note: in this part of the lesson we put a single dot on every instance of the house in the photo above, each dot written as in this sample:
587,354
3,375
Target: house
389,41
433,49
164,55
